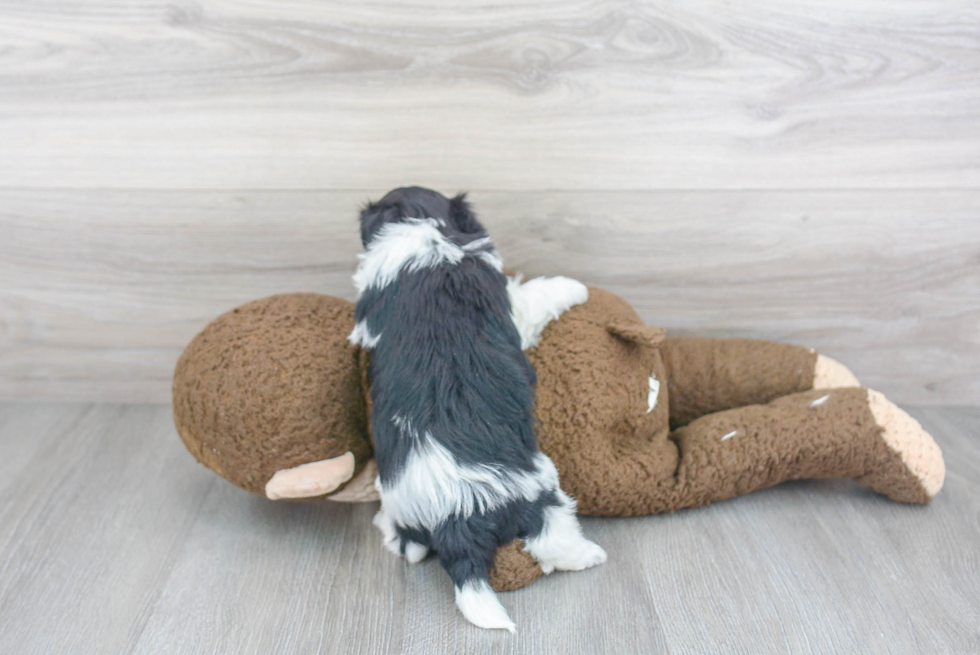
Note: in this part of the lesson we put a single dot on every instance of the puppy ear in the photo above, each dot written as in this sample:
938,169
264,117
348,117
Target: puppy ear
376,214
462,215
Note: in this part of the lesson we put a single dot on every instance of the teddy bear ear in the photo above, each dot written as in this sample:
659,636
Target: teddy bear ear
637,333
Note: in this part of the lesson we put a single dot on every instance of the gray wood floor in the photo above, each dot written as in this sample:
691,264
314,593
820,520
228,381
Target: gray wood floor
113,540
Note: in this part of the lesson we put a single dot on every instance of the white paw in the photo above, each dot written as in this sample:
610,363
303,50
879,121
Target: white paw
480,606
583,555
389,536
415,552
571,291
561,545
537,302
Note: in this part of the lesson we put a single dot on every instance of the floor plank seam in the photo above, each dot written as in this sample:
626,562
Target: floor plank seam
173,556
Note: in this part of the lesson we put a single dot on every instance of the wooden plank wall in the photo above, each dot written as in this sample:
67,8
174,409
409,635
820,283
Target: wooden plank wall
809,173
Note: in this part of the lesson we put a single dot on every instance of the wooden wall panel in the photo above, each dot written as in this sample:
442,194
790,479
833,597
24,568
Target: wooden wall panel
539,94
774,169
103,288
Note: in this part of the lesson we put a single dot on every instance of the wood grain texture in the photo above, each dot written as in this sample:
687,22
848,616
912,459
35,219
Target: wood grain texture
91,521
102,289
113,540
512,94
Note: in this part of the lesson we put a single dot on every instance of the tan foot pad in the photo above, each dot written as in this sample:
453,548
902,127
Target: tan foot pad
920,469
830,374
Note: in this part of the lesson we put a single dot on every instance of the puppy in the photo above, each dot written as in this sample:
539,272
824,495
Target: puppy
459,472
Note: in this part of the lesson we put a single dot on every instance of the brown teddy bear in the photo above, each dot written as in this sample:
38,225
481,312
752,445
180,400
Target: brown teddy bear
273,398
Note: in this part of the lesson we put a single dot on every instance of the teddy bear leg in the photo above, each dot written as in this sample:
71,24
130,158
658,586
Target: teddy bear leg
830,374
915,470
847,432
711,375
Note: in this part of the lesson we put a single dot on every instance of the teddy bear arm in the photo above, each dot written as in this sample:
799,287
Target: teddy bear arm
317,479
361,488
711,375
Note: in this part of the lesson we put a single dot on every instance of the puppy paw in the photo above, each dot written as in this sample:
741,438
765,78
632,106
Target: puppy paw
584,555
537,302
415,552
389,536
581,555
570,292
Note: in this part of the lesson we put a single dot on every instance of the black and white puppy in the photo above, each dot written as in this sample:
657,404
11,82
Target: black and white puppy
459,471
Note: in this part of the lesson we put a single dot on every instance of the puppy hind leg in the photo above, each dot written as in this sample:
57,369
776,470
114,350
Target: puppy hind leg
560,544
396,542
414,551
414,544
389,534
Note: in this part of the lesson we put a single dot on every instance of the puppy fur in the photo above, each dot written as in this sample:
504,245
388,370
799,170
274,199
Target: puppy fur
459,471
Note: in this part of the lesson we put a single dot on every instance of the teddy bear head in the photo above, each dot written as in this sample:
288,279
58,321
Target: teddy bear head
271,385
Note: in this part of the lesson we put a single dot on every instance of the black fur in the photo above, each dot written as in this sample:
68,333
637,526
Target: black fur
418,202
466,547
449,360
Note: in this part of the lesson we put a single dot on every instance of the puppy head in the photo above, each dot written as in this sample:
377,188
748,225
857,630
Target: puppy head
404,203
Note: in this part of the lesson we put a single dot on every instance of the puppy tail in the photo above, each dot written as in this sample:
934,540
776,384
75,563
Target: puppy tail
479,604
474,596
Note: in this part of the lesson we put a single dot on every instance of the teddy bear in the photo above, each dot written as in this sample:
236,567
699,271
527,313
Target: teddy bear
273,397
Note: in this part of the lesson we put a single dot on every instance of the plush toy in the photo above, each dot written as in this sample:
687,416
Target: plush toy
273,398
